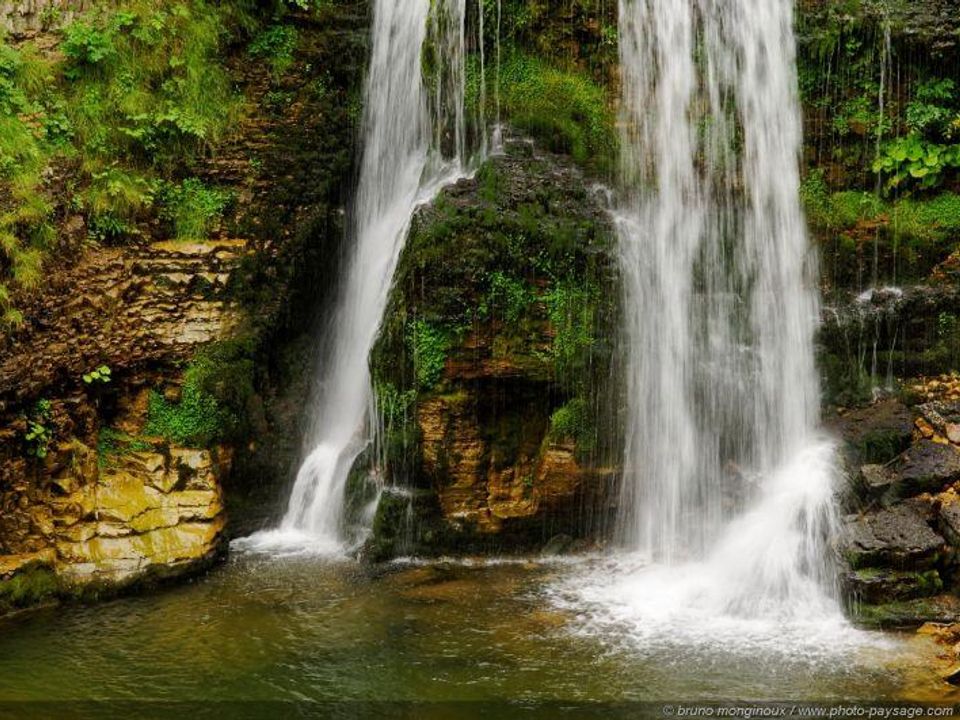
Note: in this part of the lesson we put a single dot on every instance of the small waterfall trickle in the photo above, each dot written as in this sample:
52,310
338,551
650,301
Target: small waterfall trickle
414,143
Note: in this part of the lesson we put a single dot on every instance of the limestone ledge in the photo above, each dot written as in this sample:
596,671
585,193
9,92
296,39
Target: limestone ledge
152,511
124,307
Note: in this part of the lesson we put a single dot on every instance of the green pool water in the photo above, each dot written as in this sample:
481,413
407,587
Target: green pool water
463,636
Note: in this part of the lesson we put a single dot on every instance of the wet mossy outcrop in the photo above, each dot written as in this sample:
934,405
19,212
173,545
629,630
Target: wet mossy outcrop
899,539
495,367
155,377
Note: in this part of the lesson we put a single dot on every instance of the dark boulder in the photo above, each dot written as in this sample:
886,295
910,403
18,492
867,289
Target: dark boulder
881,585
898,538
927,467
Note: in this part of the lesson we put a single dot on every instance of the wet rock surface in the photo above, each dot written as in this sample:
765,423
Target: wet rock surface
86,513
507,282
900,547
899,537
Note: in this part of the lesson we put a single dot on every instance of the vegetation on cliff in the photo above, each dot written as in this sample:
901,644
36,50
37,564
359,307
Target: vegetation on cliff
109,120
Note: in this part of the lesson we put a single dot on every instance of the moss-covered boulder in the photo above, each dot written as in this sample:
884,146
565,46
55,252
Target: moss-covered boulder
494,369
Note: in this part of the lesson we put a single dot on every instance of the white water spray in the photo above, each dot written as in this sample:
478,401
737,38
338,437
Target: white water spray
414,142
728,489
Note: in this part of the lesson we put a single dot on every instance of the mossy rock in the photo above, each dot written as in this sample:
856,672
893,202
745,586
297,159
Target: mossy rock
907,614
882,585
33,585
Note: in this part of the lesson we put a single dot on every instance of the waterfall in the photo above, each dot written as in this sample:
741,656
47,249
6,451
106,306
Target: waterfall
414,142
727,498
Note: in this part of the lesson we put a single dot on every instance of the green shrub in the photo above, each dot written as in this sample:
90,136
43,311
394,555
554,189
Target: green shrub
194,209
276,46
212,406
428,345
564,109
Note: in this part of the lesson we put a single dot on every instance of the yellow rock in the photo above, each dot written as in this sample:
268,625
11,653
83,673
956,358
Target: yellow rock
9,564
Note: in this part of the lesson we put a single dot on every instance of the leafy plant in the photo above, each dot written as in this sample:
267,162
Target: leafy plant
193,208
913,159
97,376
276,46
930,109
39,435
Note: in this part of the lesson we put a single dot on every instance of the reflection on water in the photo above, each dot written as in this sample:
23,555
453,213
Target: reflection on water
305,629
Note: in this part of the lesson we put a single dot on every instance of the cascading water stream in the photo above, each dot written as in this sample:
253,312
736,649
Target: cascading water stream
727,500
414,142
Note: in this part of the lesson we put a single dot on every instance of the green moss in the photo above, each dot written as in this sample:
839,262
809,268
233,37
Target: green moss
30,586
212,406
113,443
428,345
565,109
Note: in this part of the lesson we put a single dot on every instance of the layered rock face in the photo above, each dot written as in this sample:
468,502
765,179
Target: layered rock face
22,18
85,488
495,369
155,383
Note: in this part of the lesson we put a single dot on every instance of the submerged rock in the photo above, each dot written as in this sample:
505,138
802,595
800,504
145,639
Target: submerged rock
908,614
